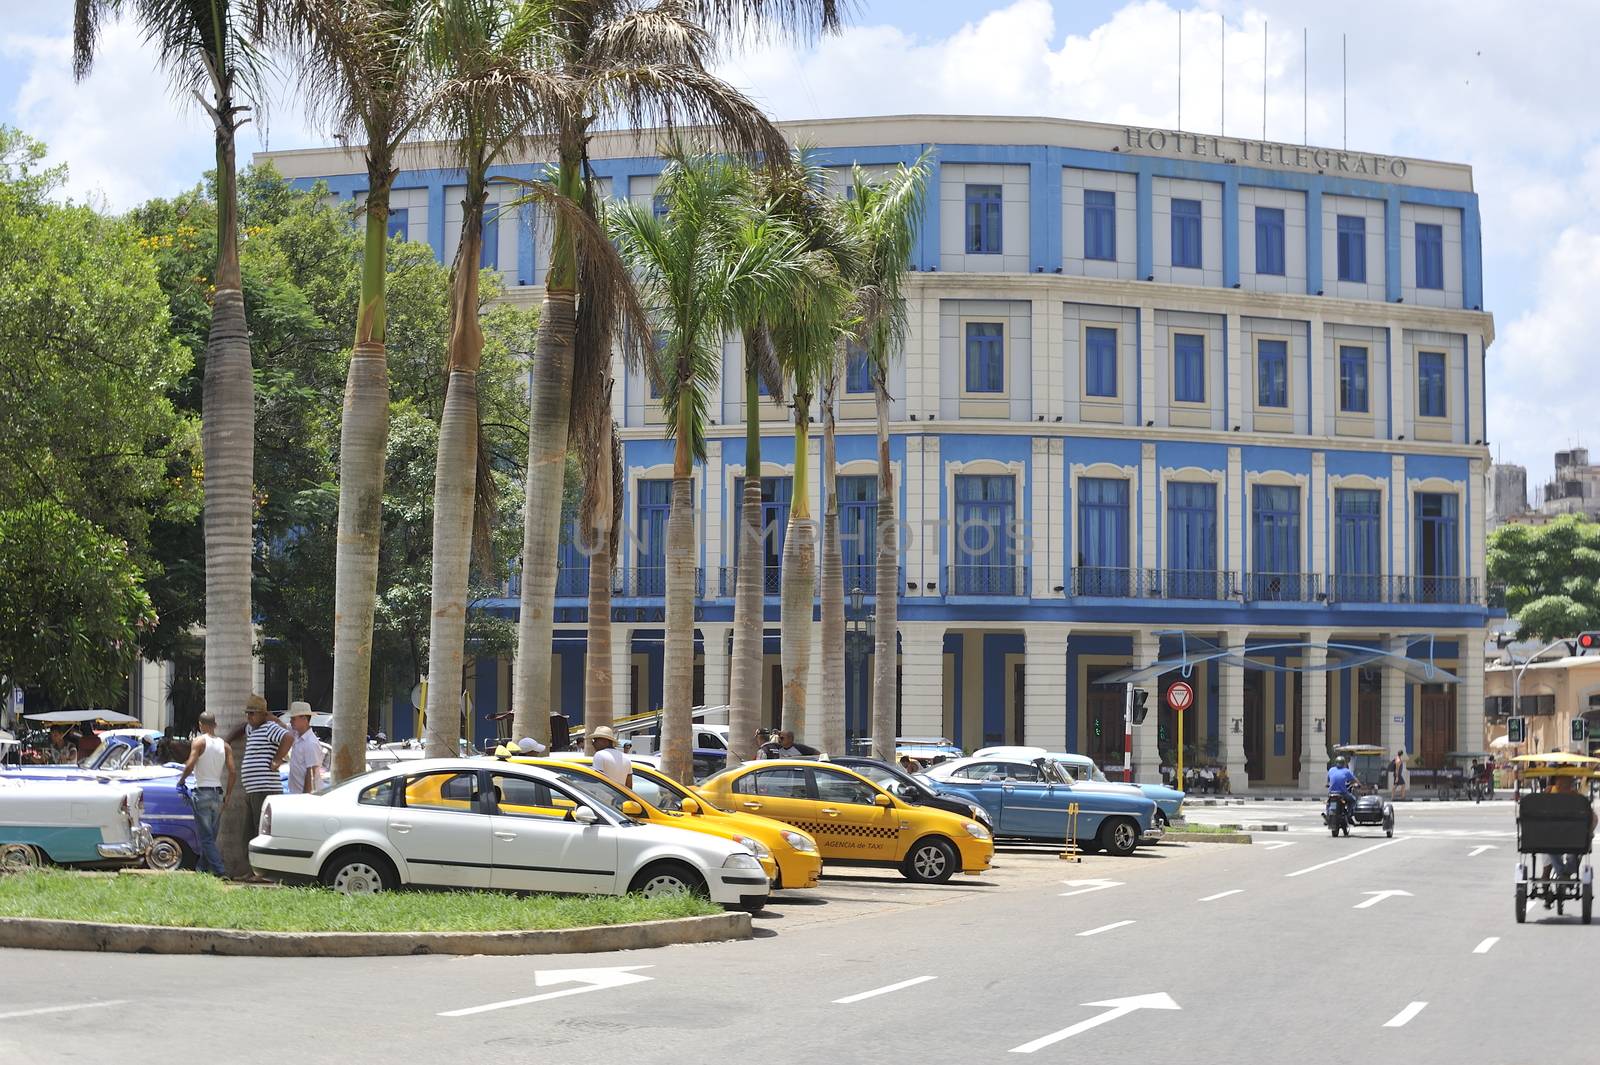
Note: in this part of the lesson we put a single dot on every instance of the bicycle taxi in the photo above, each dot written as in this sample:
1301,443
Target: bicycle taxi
1555,831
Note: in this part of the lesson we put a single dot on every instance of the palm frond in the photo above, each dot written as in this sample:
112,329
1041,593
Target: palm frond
759,20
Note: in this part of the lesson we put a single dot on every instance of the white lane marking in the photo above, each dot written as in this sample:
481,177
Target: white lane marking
1222,895
586,979
1400,1019
1093,885
61,1009
1486,946
875,992
1104,928
1479,850
1275,844
1347,857
1118,1007
1379,896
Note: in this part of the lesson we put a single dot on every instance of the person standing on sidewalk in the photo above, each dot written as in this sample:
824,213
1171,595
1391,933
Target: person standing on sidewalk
211,762
1399,767
266,747
305,752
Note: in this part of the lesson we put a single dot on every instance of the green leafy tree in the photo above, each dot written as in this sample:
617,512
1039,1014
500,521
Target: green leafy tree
1551,575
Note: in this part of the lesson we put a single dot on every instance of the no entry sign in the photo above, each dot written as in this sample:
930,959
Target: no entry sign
1180,696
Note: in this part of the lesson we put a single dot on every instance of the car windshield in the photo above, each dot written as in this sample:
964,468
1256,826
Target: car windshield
657,792
893,780
603,792
113,756
1081,769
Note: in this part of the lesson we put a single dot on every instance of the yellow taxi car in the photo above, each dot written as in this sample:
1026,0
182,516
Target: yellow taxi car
855,822
790,857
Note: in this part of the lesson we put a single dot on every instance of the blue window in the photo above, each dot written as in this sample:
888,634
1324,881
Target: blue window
1275,542
1099,225
658,207
1358,545
858,531
1430,256
857,371
1269,240
1186,233
397,225
1438,563
572,565
489,249
775,495
1189,368
1192,541
1352,247
1431,399
983,219
985,514
655,503
986,357
1353,379
1102,537
1100,361
1272,373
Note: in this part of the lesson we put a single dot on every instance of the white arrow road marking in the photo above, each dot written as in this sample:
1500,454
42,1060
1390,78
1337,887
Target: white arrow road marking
1273,845
587,979
62,1009
1103,928
1400,1019
1223,895
1347,857
1086,886
875,992
1115,1007
1479,850
1379,896
1486,946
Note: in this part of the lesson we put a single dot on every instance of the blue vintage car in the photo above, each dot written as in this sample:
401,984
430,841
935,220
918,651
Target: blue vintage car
1029,799
1086,773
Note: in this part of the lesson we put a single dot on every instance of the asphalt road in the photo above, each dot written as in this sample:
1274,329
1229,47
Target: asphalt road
1280,951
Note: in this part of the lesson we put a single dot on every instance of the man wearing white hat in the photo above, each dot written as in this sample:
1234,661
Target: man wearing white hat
305,756
609,761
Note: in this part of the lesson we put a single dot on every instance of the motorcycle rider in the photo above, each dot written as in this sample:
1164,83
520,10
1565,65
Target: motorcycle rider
1341,782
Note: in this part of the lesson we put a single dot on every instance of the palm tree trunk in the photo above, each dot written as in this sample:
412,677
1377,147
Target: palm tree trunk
363,446
597,685
548,424
885,651
832,696
678,693
795,616
228,440
749,611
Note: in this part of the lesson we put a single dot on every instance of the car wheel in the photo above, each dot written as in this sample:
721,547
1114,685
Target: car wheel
1522,903
359,871
1119,836
18,857
668,878
167,854
930,861
1588,903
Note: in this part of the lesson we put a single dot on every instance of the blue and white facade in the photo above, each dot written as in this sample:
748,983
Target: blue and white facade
1154,381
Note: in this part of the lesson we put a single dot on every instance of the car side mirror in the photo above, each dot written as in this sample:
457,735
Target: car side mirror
689,806
585,815
881,799
632,809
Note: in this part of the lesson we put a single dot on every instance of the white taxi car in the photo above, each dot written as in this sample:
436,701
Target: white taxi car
469,823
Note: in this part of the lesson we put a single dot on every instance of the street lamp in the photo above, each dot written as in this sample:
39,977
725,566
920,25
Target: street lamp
859,631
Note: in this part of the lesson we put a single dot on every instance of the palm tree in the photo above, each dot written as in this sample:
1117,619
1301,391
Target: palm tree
627,64
886,215
359,69
711,254
832,729
212,51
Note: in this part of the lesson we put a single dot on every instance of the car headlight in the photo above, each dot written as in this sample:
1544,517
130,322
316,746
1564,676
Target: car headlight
754,846
981,815
800,842
976,831
741,860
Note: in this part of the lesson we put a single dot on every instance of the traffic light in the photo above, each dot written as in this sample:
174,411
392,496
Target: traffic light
1588,641
1580,732
1140,708
1516,730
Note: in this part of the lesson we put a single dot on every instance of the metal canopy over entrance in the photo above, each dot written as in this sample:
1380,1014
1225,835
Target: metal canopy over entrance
1193,650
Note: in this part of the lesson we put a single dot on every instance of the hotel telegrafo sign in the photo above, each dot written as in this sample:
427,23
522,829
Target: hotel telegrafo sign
1242,150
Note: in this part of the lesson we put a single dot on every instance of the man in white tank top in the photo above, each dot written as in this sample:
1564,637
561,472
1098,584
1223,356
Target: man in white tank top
211,763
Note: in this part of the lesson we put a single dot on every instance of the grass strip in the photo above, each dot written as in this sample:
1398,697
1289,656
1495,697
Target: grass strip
195,900
1197,828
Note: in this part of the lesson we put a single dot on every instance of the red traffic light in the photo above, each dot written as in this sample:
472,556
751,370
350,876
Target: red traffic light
1588,641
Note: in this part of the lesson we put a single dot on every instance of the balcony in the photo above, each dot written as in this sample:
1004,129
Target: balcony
573,581
1105,582
1281,587
1200,584
771,581
650,582
1389,589
984,579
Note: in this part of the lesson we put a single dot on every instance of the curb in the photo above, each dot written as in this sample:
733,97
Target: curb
1259,826
1212,802
35,933
1208,837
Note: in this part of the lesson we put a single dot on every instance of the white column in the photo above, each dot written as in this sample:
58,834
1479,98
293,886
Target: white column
1147,364
1056,543
1313,708
913,534
1399,508
922,679
1237,414
1399,383
929,532
1318,563
1148,491
1477,529
1230,692
713,520
715,640
1469,693
621,671
1320,379
1146,752
1234,503
1045,687
1474,394
1392,725
1038,532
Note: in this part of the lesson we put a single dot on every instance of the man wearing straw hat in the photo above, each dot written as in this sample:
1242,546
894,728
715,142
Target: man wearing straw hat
305,753
609,761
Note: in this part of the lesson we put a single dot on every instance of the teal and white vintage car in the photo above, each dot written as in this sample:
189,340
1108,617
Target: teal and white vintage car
71,822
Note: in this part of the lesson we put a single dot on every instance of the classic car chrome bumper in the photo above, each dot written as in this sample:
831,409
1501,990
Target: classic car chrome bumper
1153,835
135,848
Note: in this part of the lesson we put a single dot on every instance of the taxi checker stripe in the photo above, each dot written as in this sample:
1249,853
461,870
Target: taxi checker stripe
838,828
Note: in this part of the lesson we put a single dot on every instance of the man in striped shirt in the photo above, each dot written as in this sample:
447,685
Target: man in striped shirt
266,747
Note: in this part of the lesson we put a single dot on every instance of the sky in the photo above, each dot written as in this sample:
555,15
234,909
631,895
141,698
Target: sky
1503,86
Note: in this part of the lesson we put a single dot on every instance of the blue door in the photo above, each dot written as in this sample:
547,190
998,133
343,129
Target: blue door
775,495
985,515
858,531
1102,537
650,571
